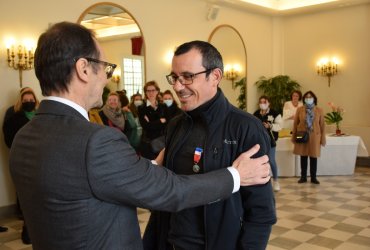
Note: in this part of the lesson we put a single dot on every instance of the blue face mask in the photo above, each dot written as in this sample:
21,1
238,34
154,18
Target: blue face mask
168,102
309,101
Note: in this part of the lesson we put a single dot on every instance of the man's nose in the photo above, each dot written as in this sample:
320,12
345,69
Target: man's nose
178,86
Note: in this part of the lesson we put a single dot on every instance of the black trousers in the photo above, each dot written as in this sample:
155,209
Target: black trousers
313,167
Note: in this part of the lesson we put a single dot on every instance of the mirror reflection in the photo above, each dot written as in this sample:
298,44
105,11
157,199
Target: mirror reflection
231,46
122,41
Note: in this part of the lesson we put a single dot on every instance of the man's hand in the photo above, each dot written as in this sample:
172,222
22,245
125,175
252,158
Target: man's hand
252,171
160,157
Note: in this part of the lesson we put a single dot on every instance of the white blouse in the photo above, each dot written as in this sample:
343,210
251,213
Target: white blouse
289,110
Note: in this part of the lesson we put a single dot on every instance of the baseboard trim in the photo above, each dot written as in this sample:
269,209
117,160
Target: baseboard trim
363,161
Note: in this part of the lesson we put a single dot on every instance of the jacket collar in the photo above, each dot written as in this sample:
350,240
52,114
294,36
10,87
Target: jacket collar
214,111
57,108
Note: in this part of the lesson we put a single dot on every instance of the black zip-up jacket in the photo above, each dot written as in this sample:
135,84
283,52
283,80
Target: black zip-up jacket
242,221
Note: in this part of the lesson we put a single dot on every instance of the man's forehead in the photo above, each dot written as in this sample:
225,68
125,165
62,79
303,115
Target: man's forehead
187,62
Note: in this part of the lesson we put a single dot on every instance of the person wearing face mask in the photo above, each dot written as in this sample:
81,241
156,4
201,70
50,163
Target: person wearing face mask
172,106
309,118
272,121
24,111
136,100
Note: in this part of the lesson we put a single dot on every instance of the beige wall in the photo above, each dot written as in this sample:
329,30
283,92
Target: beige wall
287,45
344,33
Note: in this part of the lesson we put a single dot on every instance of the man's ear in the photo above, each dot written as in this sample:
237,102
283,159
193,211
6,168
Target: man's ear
82,69
216,76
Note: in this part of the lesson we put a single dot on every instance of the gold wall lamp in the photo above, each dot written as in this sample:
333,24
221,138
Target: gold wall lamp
327,67
232,72
21,59
116,77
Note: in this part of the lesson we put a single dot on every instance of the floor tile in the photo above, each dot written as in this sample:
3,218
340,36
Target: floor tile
332,215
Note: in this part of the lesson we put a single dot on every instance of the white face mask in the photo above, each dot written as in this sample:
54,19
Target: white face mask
138,103
168,102
264,106
308,101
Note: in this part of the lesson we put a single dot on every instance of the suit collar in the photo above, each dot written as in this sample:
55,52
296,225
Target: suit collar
58,108
73,105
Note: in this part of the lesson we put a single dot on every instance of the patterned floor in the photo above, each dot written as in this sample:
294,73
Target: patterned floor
332,215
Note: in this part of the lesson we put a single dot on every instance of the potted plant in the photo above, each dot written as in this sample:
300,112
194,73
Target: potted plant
335,117
278,89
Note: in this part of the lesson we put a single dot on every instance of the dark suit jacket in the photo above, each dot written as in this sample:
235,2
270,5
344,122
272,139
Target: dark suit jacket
79,183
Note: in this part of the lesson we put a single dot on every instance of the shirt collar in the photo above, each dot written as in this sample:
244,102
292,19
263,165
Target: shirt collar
73,105
148,103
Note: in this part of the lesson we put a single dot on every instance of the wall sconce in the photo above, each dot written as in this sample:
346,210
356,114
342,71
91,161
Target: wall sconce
232,72
24,60
326,67
116,77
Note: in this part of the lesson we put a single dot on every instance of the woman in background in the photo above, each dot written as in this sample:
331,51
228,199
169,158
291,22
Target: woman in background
136,100
111,113
172,107
152,116
309,118
290,108
272,121
24,111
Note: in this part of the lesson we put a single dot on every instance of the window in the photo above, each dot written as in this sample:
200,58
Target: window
133,74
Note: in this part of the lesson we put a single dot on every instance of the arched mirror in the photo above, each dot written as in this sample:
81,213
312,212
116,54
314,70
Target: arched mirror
122,41
230,44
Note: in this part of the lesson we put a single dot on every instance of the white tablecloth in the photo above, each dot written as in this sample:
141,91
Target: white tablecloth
338,157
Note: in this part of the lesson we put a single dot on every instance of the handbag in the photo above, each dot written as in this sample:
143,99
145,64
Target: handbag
301,137
157,144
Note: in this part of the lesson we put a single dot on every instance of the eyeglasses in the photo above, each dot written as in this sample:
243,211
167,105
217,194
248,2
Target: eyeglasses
150,90
109,67
185,79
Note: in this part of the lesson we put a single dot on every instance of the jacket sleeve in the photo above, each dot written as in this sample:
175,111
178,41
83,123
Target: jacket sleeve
117,175
258,201
277,123
322,128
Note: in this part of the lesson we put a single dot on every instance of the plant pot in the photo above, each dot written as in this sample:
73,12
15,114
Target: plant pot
338,132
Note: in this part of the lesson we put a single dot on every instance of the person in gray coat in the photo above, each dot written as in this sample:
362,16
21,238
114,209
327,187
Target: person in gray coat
79,183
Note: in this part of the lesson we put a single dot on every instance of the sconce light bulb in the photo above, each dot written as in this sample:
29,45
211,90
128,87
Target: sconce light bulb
9,42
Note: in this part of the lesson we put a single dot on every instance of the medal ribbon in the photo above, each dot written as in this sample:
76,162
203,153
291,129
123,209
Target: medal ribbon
197,155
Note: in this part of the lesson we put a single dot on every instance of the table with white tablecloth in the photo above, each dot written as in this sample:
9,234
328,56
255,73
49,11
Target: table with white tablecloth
338,157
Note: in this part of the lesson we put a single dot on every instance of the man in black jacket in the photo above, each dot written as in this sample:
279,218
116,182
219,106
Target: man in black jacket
211,131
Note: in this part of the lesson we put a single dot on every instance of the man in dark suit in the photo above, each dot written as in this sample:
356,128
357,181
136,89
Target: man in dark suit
79,183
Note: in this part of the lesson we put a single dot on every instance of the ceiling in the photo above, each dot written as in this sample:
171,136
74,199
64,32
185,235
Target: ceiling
110,22
286,7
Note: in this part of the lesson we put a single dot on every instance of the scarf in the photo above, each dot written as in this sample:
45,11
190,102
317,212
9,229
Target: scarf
309,116
115,116
30,115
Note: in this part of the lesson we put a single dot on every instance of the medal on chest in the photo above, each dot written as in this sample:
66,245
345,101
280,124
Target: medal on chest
197,155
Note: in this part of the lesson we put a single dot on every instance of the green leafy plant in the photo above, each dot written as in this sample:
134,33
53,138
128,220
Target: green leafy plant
278,89
242,102
335,116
